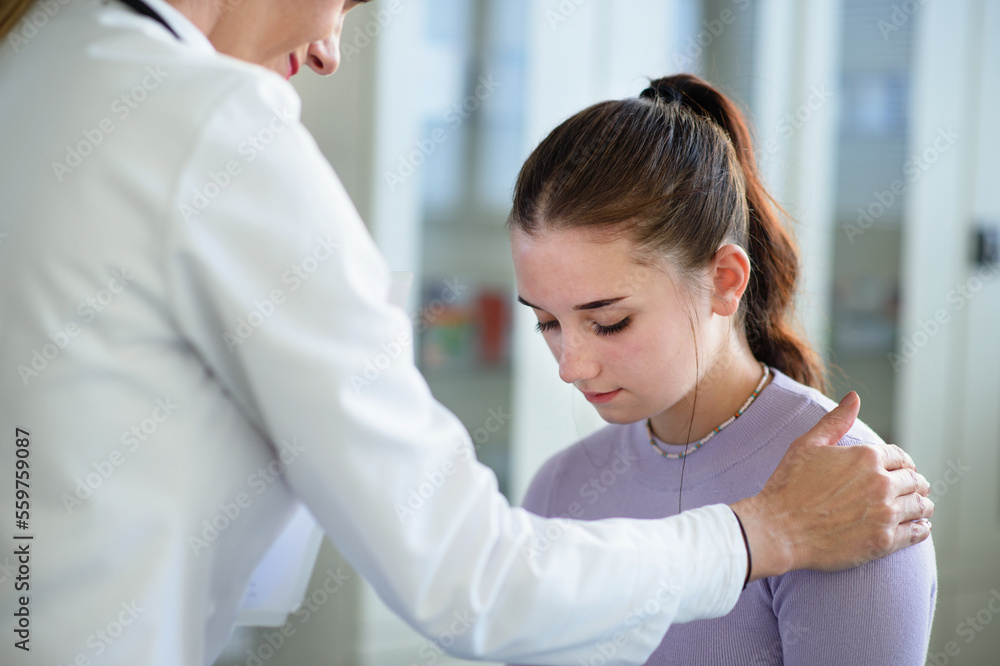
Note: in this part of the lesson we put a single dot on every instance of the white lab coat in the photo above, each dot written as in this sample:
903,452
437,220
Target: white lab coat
194,330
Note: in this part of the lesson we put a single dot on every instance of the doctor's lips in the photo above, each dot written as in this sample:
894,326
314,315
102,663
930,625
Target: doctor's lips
599,398
293,65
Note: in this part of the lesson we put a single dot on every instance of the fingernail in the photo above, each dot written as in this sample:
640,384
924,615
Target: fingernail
848,399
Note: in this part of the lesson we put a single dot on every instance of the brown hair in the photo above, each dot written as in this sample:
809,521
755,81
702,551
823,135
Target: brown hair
675,170
11,12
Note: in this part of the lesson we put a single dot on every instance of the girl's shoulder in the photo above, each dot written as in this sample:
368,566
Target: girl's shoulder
805,406
578,463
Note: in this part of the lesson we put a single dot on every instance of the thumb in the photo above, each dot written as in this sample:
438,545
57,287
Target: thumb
832,427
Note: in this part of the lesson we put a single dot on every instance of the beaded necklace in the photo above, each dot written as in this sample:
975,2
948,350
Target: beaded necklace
701,442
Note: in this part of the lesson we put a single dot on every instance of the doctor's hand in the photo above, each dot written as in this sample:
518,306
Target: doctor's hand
830,507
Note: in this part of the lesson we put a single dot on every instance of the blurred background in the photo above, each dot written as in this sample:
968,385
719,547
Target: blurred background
873,130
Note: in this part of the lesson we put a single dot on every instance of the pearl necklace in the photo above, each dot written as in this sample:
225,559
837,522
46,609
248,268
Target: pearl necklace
701,442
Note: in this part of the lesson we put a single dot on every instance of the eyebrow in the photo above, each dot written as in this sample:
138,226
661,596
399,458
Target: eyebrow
593,305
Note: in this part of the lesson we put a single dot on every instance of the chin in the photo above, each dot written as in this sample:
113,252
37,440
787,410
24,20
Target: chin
618,415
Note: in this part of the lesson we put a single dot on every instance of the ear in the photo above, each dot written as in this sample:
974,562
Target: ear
730,274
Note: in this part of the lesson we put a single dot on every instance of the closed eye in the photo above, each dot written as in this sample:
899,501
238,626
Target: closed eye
613,328
544,326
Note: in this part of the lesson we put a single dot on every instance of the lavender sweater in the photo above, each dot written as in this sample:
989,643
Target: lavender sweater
879,613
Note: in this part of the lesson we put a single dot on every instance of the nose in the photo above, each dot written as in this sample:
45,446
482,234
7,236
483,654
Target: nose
576,362
324,56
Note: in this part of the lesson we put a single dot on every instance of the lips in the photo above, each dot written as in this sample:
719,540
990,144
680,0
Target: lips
599,398
293,65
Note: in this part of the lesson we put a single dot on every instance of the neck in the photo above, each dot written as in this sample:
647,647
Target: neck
242,34
727,380
203,13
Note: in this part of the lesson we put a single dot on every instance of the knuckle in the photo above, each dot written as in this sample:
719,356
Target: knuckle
884,488
869,455
885,541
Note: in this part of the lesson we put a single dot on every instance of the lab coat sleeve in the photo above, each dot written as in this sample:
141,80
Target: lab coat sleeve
275,282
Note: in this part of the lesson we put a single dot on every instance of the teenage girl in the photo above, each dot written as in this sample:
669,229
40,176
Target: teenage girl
662,279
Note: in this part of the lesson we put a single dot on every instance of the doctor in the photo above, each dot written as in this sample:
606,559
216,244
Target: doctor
189,297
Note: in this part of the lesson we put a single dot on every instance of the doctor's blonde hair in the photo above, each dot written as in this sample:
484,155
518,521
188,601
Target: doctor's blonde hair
11,13
674,169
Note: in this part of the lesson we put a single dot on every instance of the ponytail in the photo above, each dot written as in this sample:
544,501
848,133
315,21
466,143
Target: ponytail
677,167
773,254
11,13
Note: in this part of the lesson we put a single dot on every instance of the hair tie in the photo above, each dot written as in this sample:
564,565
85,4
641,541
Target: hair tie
681,93
662,92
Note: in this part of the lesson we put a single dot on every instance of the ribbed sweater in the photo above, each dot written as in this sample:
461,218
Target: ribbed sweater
879,613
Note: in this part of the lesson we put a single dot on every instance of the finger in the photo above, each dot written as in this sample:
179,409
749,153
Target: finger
894,457
908,534
907,481
913,507
835,424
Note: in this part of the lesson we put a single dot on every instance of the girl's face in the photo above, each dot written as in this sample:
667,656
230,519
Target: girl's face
625,334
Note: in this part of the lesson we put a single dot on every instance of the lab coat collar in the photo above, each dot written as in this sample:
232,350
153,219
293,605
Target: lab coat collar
189,33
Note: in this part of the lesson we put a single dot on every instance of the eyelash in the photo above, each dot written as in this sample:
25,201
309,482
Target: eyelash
541,327
614,328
